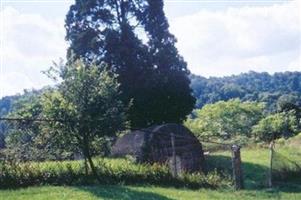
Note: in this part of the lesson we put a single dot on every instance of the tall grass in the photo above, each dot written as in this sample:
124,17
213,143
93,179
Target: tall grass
110,171
287,159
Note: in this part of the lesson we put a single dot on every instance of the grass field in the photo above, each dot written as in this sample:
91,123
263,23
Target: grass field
255,166
142,193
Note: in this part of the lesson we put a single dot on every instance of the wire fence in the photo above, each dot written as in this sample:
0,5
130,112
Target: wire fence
282,166
285,164
27,126
23,171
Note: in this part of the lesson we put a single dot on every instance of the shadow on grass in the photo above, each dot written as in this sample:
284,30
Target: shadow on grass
255,175
121,193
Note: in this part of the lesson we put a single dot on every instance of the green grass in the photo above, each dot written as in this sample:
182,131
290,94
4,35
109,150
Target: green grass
141,193
255,167
110,171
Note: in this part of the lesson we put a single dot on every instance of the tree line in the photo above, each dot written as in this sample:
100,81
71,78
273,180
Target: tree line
274,90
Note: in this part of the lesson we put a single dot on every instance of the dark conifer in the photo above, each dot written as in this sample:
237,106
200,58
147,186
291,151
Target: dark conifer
151,72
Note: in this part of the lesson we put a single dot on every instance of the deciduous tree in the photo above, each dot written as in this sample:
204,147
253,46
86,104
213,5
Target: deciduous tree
86,106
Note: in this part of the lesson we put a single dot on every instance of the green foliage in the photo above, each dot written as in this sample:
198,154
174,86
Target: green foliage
86,107
278,125
110,171
83,112
21,142
151,73
274,90
226,119
7,104
29,139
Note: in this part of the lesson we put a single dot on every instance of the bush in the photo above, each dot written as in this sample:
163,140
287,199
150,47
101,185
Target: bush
225,119
276,126
110,171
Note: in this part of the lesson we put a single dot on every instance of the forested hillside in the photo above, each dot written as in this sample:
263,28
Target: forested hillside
253,86
273,89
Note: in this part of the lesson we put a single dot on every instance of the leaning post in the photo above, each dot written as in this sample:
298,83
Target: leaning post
237,168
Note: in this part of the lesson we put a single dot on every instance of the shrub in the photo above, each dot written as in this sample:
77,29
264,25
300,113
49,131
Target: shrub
225,119
276,126
110,171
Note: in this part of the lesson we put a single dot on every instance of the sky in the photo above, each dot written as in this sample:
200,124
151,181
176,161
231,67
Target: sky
216,37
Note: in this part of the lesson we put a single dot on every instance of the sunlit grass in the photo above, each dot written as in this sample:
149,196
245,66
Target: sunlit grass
255,168
141,193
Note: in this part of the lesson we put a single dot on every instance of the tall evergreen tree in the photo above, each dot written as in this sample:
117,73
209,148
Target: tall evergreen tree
151,72
172,84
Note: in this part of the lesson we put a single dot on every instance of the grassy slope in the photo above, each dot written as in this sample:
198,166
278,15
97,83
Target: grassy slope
255,169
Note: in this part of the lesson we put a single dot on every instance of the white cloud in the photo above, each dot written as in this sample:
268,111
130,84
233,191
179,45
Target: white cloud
239,39
214,42
295,64
30,44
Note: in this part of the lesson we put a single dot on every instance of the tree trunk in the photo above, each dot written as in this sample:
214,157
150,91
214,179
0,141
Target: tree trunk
88,156
93,167
86,166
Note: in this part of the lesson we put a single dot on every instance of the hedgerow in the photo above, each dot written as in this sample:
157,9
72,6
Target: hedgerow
110,171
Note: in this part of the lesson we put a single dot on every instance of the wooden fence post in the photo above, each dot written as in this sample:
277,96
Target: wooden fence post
237,169
270,178
174,158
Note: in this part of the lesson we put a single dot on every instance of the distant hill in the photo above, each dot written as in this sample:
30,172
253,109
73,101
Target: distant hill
273,89
252,86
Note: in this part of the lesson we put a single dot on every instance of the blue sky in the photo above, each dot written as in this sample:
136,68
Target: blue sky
216,37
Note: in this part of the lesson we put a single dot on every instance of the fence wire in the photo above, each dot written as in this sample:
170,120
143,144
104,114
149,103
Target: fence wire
75,170
285,166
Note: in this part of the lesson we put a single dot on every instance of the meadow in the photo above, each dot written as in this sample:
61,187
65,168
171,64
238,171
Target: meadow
255,166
